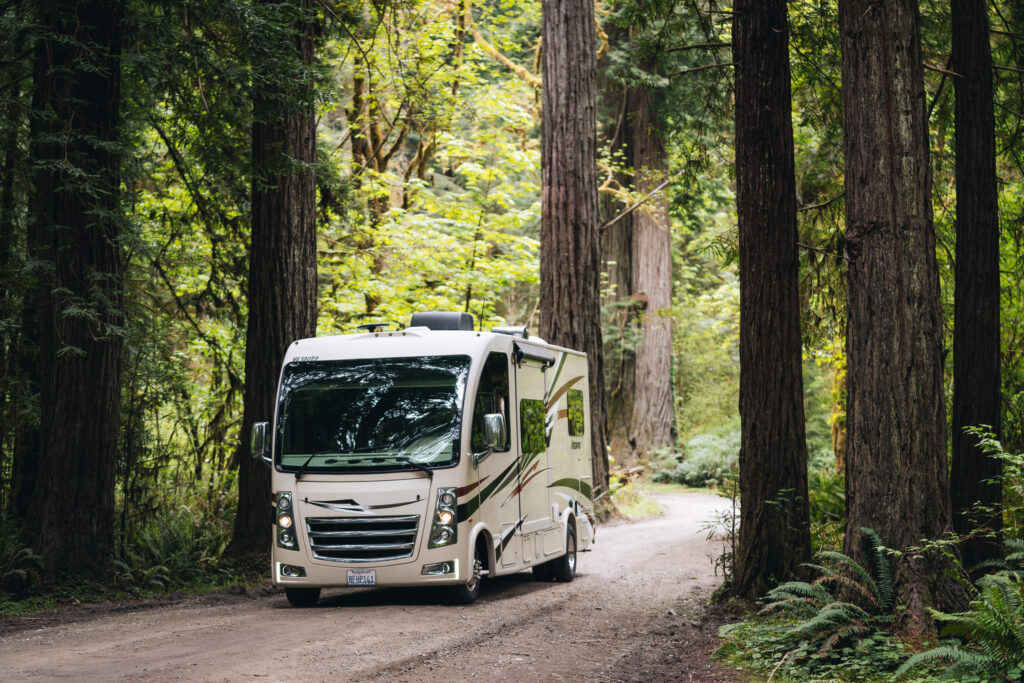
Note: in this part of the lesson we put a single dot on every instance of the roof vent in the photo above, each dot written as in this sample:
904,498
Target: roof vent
443,320
513,331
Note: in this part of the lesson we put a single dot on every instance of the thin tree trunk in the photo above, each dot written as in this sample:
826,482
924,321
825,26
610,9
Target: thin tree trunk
77,231
896,480
570,258
617,264
652,416
282,266
774,535
976,375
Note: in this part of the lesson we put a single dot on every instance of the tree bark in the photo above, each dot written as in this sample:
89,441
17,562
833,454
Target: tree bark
652,415
76,232
896,480
617,264
976,373
774,536
282,263
570,259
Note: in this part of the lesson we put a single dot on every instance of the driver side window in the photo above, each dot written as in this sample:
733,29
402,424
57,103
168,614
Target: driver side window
491,397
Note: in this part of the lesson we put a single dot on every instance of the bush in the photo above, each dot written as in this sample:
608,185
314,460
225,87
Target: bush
992,633
177,547
710,459
834,628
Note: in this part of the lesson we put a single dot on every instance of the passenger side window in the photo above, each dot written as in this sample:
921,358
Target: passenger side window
575,412
491,397
531,417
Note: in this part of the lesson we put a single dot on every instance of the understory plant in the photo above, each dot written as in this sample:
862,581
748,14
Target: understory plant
835,627
989,636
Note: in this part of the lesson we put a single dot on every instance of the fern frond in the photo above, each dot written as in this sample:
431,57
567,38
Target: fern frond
799,589
850,563
852,586
883,569
958,657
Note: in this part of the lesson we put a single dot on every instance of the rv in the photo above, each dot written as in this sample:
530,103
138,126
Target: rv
436,456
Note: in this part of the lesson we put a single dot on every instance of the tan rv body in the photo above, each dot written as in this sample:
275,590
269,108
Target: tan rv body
366,519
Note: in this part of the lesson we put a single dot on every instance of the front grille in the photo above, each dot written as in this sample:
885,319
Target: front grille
362,539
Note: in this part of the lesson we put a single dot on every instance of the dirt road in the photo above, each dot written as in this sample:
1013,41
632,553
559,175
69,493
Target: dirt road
634,613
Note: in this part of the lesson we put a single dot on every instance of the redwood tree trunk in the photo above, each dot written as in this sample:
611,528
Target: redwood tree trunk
76,231
976,373
896,479
569,257
652,415
774,532
282,264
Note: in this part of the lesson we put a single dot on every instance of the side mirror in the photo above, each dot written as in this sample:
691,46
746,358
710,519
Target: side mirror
494,435
494,431
259,444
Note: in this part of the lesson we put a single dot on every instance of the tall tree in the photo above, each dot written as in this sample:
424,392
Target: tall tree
652,415
976,372
896,481
570,260
282,253
774,526
76,240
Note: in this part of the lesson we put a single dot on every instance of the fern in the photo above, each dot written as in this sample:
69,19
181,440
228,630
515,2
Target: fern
883,570
959,660
993,630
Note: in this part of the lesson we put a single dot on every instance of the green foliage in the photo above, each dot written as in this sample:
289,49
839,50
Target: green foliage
992,632
708,460
176,548
20,566
834,627
826,494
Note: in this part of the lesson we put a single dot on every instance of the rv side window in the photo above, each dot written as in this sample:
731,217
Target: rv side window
491,397
531,417
575,412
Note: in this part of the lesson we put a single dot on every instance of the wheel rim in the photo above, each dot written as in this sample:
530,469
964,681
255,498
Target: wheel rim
572,553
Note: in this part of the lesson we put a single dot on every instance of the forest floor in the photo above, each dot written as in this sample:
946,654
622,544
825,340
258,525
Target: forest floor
637,611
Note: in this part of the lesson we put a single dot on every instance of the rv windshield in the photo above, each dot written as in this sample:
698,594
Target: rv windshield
388,413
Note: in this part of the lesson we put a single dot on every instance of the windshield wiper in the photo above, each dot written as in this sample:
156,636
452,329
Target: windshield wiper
302,468
417,465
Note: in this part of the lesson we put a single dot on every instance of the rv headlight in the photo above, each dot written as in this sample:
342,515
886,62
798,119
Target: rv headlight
444,529
286,537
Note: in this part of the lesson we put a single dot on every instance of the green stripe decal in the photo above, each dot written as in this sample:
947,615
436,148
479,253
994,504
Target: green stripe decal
574,484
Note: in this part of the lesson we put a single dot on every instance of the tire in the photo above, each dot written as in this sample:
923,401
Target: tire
467,593
542,572
564,568
302,597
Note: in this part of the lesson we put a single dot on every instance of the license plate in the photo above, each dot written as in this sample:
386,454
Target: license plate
362,577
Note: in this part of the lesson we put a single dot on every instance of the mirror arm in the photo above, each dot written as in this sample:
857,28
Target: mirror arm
479,457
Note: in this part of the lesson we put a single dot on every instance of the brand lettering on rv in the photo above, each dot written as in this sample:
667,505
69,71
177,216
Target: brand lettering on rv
576,445
300,359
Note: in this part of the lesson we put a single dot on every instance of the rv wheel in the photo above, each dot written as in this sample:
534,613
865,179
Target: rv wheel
564,567
302,597
468,592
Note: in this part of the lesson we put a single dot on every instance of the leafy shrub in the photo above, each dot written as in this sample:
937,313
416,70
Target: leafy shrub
826,495
991,632
177,547
836,627
20,566
710,459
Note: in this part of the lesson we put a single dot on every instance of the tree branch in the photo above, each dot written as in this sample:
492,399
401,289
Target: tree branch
701,68
637,205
